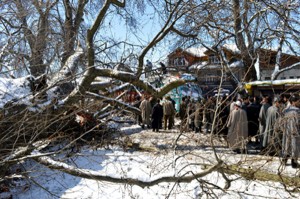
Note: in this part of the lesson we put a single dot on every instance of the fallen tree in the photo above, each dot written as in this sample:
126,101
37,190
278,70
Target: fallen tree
54,105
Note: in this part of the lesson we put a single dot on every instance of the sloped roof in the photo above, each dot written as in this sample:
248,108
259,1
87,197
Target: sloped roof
232,47
197,52
201,51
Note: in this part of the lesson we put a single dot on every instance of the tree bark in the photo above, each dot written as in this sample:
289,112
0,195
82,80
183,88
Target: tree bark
247,51
83,173
71,27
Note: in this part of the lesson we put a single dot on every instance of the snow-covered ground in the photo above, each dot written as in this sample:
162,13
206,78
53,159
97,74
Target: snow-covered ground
157,158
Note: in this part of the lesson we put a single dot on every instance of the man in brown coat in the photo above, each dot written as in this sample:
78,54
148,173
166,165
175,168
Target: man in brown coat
237,129
169,112
146,110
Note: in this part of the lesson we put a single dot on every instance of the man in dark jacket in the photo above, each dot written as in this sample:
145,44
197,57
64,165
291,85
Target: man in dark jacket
252,115
156,116
182,109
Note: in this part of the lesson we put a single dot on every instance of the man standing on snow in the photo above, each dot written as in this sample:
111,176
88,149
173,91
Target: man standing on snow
198,118
291,127
182,109
237,128
266,103
169,111
252,116
269,140
157,115
146,110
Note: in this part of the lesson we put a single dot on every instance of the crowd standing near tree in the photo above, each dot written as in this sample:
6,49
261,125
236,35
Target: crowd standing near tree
244,123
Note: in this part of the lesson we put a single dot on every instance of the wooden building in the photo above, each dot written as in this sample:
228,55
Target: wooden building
206,65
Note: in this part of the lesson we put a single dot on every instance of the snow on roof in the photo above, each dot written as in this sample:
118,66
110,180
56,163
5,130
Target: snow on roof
198,52
275,82
232,47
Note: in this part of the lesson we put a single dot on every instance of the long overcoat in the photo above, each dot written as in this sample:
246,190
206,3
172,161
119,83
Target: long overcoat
269,134
291,127
157,115
237,129
146,110
199,115
263,117
252,116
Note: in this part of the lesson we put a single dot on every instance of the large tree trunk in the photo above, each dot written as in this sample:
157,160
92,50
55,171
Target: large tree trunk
71,27
242,35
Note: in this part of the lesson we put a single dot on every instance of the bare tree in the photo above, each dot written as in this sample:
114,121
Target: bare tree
251,25
220,20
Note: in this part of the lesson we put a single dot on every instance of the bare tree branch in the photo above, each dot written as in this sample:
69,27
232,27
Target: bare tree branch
53,164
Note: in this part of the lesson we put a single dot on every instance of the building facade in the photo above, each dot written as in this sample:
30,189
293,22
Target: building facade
211,73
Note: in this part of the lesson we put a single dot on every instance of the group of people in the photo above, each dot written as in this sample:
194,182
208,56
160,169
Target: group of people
271,126
153,113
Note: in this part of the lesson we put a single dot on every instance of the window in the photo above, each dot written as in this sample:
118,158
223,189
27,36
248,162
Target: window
179,61
291,77
283,78
267,78
213,59
210,78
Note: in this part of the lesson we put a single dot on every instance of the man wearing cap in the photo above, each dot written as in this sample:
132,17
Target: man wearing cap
237,129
